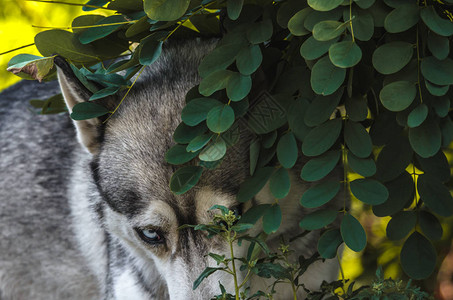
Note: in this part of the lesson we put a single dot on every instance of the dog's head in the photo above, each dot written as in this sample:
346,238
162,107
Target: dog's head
132,176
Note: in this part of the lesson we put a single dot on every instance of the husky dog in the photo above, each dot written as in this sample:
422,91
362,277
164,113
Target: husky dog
95,218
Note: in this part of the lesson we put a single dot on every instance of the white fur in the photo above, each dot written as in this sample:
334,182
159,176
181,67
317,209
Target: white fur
126,288
89,232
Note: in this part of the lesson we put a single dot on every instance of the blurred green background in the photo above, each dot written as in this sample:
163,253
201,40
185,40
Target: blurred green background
20,21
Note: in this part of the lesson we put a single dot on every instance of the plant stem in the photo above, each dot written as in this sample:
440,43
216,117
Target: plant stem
18,48
342,274
350,20
345,175
418,68
74,4
124,97
233,266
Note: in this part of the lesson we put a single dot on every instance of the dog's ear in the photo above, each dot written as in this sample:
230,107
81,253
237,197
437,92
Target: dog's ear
74,92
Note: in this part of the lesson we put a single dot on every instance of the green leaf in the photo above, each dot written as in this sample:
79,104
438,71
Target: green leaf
239,228
127,6
321,108
441,26
384,128
369,191
52,105
234,8
252,185
269,139
260,32
220,118
252,215
184,179
219,59
238,86
313,49
324,5
398,95
199,142
208,271
107,79
357,108
272,219
328,30
364,4
218,258
436,166
363,166
88,110
357,139
446,126
150,51
318,219
178,155
436,90
288,9
141,26
206,23
165,10
320,194
417,116
329,242
94,3
279,183
31,66
321,138
401,224
393,159
268,269
255,147
295,122
214,152
418,256
435,195
438,45
402,18
111,90
184,134
430,225
287,150
317,168
296,23
249,59
392,57
401,191
362,23
379,13
426,138
66,44
439,72
95,33
345,54
325,77
352,233
215,81
197,110
316,16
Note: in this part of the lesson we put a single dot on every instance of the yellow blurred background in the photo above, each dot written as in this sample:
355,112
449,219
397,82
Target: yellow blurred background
17,18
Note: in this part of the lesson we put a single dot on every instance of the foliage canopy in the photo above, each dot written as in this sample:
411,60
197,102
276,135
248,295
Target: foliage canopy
361,83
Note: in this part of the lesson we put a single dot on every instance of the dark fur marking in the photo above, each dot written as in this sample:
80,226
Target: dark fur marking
143,283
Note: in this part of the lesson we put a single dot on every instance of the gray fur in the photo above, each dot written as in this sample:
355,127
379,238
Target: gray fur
69,216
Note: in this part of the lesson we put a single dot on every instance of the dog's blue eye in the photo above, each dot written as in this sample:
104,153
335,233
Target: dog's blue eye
150,236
